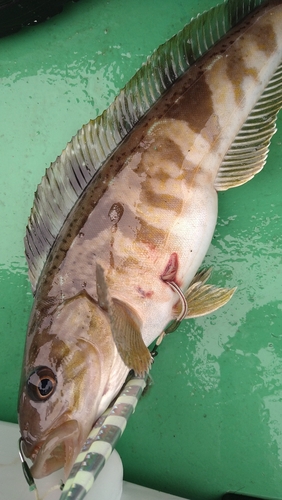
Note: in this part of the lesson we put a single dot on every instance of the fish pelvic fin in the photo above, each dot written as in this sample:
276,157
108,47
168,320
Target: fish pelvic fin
125,327
202,298
248,152
128,338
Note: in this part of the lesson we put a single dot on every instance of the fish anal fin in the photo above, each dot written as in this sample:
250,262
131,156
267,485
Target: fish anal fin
248,153
128,338
204,299
207,299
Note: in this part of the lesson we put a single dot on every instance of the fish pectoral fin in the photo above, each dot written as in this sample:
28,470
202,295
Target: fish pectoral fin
128,338
204,299
124,326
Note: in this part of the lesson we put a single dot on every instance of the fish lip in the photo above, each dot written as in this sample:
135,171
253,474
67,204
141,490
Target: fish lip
58,450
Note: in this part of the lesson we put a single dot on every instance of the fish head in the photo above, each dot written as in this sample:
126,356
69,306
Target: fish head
71,373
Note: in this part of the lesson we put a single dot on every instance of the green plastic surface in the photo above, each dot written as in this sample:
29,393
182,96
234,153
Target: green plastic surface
212,420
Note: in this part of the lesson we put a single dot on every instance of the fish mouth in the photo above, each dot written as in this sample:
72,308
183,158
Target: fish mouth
59,449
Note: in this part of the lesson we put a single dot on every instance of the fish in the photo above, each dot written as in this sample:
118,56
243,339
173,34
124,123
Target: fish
123,219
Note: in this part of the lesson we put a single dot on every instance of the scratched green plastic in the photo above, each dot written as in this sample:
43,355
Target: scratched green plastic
212,420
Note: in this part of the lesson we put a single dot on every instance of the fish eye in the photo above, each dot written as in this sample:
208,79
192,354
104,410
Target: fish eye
41,383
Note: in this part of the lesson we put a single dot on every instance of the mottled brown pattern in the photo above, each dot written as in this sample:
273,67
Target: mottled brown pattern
161,174
162,200
265,38
195,106
129,262
236,71
167,149
59,351
212,129
148,234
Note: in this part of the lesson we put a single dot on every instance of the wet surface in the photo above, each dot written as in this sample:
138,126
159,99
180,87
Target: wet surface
211,422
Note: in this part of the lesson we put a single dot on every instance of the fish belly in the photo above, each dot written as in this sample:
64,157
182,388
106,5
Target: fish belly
167,206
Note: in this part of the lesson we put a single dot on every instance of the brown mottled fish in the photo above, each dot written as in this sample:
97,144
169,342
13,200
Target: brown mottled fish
124,217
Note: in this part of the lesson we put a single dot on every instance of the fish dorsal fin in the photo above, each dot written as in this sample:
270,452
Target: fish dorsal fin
248,153
69,175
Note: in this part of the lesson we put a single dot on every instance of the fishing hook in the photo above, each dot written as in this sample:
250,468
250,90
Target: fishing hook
26,470
184,310
176,322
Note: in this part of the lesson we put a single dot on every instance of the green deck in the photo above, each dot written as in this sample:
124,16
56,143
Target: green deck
212,420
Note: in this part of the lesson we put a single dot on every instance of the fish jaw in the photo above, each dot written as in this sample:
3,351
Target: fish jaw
59,449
